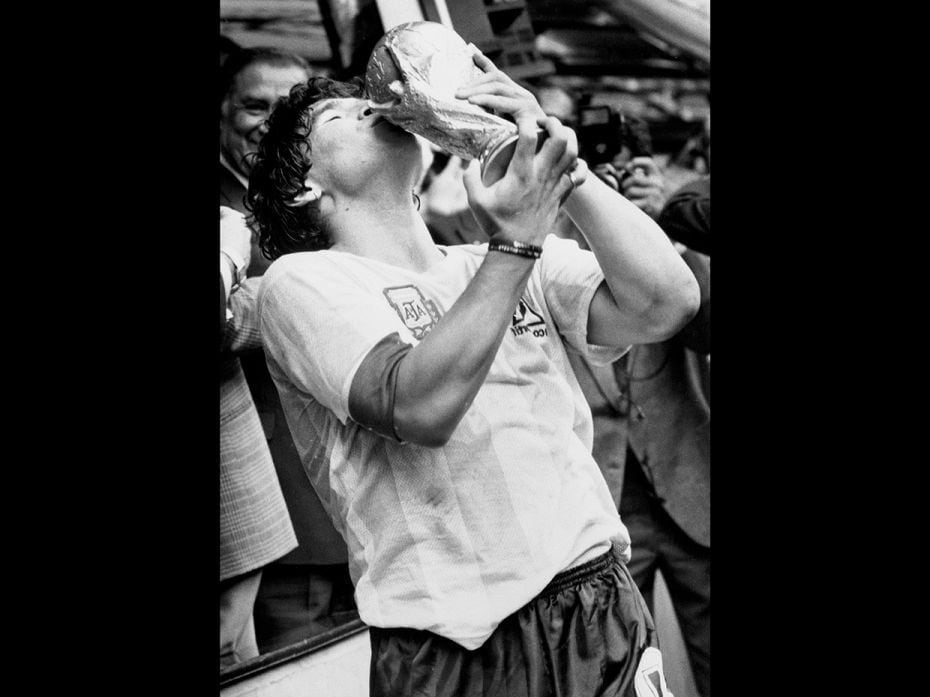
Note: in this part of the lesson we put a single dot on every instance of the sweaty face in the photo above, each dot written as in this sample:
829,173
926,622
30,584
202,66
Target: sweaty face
349,144
248,105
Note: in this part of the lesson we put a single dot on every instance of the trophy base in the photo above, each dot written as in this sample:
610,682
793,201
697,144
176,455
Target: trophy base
494,166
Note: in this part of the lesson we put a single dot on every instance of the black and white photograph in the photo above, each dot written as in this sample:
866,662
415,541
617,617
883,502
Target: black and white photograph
464,355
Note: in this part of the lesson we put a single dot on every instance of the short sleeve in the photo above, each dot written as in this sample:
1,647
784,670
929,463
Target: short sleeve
318,323
569,277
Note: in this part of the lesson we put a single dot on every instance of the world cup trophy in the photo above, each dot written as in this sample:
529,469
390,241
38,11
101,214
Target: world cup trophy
412,76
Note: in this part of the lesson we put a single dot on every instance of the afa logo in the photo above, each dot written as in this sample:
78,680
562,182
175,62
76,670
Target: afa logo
527,321
649,680
418,313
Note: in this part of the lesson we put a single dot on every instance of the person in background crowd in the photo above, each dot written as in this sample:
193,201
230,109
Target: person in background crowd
251,81
632,170
429,393
686,215
255,528
308,590
651,411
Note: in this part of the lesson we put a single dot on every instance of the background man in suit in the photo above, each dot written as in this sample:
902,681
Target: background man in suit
686,216
255,527
652,442
251,81
651,407
651,413
309,590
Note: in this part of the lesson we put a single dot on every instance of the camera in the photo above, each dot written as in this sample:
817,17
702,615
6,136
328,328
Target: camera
603,132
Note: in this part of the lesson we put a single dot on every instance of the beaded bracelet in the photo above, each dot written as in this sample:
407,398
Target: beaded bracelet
521,249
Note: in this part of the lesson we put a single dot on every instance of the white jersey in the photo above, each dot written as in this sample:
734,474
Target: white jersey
456,538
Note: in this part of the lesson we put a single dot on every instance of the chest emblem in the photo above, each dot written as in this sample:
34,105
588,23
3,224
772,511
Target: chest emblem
419,314
526,320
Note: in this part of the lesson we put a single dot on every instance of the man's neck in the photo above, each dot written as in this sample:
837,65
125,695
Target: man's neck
397,236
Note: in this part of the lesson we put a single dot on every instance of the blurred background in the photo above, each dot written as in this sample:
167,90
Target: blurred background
649,59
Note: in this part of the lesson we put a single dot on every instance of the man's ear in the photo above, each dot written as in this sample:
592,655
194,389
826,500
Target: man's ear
310,193
304,198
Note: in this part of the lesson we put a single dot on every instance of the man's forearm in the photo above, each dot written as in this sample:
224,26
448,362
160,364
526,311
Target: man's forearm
439,378
652,292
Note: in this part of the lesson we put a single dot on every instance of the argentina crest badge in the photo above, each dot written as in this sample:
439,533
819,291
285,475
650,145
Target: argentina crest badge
418,313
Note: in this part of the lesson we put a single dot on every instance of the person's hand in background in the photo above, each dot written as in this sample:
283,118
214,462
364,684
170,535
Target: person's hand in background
639,180
235,246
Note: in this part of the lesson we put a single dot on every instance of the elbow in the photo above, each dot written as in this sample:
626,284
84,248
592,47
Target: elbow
673,308
425,427
431,439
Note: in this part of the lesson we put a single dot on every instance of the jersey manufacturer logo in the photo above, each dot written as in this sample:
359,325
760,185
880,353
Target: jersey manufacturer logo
527,321
418,313
650,680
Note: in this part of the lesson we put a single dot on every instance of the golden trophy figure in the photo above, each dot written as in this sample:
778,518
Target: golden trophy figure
411,78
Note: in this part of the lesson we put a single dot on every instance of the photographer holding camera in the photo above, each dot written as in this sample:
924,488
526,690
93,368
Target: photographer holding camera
618,150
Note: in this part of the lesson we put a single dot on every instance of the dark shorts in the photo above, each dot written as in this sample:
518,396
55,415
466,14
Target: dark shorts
587,634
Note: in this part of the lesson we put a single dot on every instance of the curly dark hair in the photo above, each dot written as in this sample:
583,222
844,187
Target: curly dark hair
280,167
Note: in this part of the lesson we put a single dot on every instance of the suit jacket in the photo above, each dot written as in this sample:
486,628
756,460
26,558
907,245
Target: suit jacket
319,542
255,527
658,403
686,215
232,193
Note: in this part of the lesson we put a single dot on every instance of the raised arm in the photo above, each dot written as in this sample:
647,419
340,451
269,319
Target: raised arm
650,293
696,334
421,393
437,380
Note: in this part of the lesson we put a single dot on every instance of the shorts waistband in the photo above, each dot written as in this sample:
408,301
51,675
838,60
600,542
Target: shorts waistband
570,577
